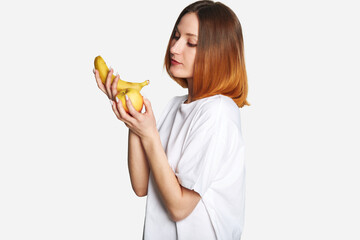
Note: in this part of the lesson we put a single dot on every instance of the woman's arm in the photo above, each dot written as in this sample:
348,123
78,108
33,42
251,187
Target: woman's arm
138,165
179,201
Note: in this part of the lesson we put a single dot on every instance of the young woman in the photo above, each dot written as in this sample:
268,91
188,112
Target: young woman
190,163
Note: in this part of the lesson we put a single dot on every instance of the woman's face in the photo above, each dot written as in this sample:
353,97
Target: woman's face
183,46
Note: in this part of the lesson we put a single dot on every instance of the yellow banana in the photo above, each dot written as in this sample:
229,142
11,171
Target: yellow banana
103,69
132,90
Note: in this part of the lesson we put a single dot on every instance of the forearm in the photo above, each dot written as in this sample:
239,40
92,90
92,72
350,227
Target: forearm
178,200
138,165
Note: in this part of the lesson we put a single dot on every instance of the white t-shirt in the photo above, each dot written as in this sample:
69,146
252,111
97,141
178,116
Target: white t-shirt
205,149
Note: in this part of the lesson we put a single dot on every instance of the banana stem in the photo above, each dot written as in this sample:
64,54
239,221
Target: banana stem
144,83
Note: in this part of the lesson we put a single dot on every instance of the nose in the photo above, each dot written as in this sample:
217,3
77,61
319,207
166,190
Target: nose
176,47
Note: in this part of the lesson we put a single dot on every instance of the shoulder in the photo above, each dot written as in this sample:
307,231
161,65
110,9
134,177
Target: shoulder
221,107
226,122
225,115
218,110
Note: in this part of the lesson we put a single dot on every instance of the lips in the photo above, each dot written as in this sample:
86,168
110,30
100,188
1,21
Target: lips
174,62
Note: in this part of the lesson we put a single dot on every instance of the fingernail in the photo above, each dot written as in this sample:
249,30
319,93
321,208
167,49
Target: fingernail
117,100
111,102
126,97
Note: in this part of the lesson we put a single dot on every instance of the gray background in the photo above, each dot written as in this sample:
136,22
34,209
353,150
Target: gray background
63,170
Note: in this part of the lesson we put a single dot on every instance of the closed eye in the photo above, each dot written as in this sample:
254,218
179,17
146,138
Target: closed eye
177,36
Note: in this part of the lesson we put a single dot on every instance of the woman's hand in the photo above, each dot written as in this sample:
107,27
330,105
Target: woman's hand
142,124
108,88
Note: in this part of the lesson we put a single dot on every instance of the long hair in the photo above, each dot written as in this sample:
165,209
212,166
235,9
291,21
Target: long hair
219,62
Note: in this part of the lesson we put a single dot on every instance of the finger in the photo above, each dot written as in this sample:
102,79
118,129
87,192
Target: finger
99,82
116,111
123,114
114,85
148,107
108,83
131,108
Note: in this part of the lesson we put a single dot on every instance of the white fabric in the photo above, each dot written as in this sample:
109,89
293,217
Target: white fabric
205,148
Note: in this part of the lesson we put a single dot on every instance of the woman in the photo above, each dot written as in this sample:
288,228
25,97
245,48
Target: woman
190,164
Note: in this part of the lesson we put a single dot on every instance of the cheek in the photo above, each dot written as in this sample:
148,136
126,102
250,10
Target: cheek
192,55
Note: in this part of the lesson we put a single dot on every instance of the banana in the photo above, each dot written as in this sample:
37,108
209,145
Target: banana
132,90
103,69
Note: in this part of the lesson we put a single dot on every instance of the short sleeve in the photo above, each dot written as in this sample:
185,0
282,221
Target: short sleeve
204,150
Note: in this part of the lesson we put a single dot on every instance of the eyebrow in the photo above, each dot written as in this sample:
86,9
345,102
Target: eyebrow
187,34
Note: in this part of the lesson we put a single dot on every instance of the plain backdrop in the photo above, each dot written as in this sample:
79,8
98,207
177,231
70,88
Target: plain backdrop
63,168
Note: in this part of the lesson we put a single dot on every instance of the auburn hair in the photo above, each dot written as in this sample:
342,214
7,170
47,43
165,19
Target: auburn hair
219,66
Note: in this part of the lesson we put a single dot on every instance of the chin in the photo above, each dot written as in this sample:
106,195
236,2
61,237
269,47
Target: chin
178,74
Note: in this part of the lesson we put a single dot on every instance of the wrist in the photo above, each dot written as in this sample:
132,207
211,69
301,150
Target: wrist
150,139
